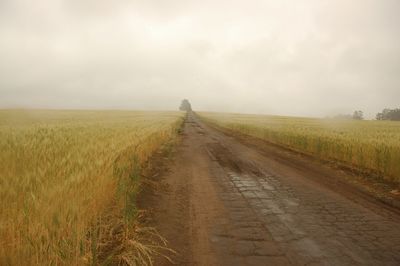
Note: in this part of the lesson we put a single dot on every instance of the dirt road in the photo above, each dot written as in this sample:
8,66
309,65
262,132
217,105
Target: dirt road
223,202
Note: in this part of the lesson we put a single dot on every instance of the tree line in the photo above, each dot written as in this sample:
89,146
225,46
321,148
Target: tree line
389,114
386,114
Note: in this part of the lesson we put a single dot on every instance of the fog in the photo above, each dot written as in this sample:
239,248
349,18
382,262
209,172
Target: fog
289,57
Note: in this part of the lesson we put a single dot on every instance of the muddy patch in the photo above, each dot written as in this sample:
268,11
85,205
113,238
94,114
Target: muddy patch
230,161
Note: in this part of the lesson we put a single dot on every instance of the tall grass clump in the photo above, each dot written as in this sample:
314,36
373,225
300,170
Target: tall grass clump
367,145
68,181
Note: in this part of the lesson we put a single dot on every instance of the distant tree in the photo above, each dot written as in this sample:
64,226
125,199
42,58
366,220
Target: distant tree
185,106
389,114
358,115
395,114
385,115
379,116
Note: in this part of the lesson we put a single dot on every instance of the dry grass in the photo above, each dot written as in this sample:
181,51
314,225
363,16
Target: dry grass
368,145
63,172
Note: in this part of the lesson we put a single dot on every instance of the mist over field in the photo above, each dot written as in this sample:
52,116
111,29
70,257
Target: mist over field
304,58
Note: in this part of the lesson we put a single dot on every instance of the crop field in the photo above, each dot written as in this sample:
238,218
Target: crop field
367,145
60,171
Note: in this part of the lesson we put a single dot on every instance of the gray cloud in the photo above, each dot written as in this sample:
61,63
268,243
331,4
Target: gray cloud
283,57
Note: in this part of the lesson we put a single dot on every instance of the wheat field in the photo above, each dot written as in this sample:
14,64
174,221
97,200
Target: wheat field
368,145
61,170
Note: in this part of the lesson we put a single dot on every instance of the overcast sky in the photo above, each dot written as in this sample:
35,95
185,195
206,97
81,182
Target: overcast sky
289,57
